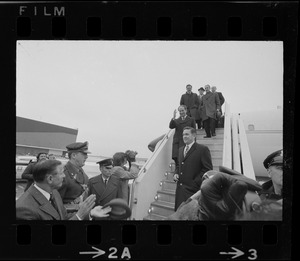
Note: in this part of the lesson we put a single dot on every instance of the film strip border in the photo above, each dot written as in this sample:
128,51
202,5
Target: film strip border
148,21
139,241
165,26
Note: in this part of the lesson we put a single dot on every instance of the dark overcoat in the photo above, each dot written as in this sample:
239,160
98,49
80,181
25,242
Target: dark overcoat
105,194
74,183
179,125
33,205
191,101
190,170
210,103
199,110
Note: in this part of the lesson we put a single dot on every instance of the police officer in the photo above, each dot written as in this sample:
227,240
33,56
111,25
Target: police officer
105,186
272,189
74,189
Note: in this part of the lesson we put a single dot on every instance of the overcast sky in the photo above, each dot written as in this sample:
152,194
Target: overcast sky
121,94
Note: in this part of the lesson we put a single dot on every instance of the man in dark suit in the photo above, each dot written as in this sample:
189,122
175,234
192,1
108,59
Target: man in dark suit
178,124
194,160
43,202
191,101
105,186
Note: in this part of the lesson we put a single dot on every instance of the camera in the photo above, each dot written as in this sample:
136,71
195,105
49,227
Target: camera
130,155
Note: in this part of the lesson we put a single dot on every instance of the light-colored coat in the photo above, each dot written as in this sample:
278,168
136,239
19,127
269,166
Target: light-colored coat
210,103
124,176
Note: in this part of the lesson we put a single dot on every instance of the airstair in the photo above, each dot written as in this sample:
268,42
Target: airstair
164,200
152,194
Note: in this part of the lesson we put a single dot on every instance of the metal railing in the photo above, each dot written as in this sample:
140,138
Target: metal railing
227,141
145,186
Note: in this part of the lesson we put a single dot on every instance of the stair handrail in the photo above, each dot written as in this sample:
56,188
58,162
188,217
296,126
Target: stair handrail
236,156
246,160
227,140
151,163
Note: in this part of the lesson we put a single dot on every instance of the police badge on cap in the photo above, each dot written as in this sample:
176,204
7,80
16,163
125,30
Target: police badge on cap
275,158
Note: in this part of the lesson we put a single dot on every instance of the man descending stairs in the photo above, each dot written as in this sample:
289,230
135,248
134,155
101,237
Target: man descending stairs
164,203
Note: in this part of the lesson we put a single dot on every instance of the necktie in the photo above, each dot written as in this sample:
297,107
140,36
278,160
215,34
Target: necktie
52,201
105,182
186,150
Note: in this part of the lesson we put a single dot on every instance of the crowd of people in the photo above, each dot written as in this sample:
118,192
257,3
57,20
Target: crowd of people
57,192
221,196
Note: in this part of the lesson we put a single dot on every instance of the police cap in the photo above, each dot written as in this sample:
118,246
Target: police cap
78,147
201,88
275,158
105,162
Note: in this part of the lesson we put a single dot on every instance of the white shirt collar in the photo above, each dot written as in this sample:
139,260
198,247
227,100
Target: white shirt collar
190,145
105,178
44,192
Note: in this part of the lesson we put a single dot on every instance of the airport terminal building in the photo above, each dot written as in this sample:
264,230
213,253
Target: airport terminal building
34,136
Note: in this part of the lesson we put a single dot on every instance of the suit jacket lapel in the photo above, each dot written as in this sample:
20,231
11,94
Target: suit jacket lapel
189,151
45,204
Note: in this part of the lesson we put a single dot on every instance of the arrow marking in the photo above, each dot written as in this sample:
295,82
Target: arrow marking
97,253
235,254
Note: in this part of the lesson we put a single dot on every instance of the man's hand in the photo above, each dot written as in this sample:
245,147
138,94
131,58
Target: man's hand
86,206
100,212
174,114
176,177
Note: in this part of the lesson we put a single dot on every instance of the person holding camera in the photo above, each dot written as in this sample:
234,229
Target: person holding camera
120,171
27,174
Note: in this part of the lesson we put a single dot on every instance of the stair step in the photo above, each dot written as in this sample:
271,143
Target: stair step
168,185
162,208
212,140
169,176
218,131
166,196
154,217
215,146
216,153
217,162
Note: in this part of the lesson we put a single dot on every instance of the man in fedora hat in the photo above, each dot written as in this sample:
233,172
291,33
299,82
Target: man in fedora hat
74,188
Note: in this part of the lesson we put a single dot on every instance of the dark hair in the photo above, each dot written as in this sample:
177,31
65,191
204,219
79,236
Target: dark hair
184,106
38,156
118,158
41,169
193,130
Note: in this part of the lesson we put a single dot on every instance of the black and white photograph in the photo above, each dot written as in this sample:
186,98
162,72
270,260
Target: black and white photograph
149,130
